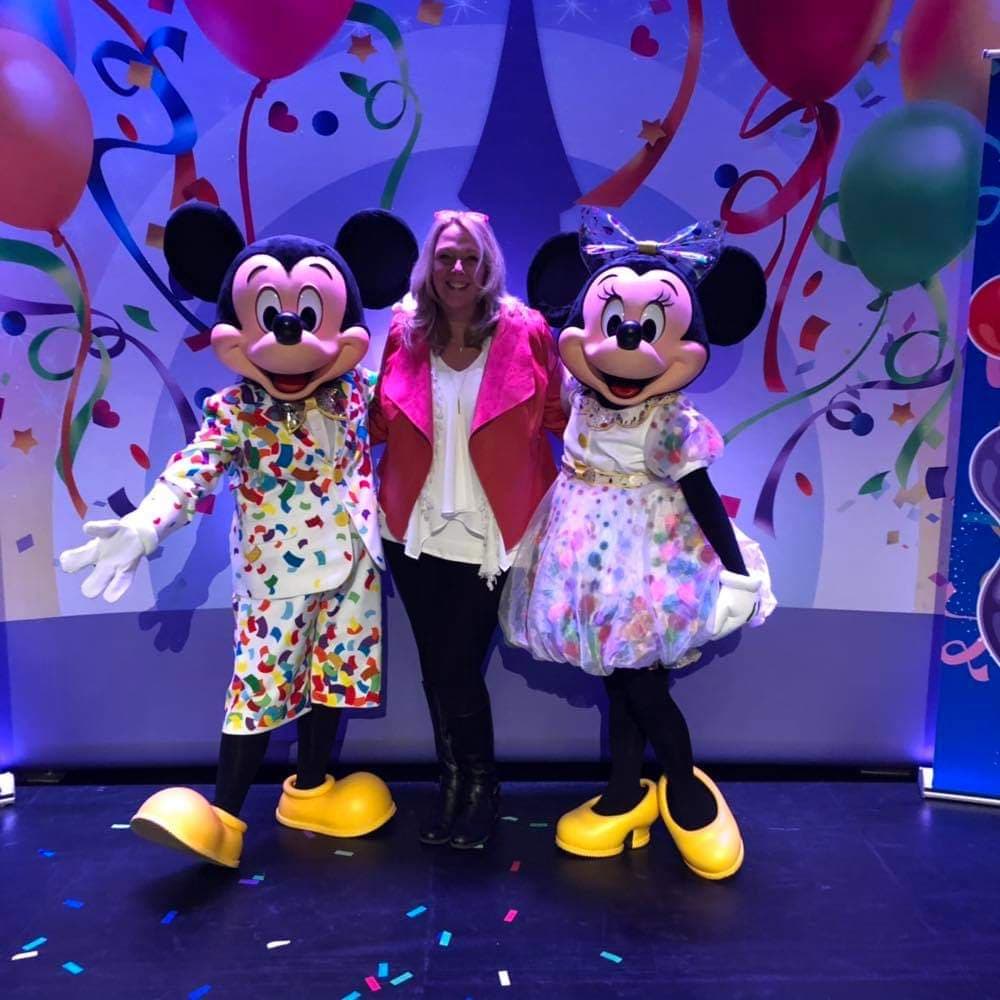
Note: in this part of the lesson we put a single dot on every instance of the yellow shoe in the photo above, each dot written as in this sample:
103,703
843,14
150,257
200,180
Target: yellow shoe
584,832
350,807
714,851
186,821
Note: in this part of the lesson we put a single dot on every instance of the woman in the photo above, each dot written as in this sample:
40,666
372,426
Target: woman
470,383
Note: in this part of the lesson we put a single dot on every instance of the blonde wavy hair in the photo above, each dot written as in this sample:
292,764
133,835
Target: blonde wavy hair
427,322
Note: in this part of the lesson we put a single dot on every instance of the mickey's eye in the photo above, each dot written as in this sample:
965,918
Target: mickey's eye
310,308
651,322
268,307
612,316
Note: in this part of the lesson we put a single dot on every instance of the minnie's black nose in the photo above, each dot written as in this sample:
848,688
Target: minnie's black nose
628,335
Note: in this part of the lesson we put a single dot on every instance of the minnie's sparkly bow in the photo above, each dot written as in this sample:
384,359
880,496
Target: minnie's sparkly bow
604,237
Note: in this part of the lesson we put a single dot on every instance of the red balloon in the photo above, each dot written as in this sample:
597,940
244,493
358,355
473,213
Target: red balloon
809,49
984,317
48,136
940,52
266,38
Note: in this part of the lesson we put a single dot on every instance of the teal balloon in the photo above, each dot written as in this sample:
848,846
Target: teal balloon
48,21
909,192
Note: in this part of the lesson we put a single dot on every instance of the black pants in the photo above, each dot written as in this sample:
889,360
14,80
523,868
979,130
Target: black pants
453,616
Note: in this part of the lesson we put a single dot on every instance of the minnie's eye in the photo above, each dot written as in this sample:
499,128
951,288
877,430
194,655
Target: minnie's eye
651,322
267,308
310,308
612,316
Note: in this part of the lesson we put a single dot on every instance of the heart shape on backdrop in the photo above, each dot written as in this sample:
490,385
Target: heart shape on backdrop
104,416
280,119
643,43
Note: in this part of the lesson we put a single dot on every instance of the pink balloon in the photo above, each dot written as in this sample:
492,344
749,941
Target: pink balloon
267,38
48,136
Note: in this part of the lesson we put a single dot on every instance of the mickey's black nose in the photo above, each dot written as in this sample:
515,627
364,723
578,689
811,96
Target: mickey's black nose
628,335
287,328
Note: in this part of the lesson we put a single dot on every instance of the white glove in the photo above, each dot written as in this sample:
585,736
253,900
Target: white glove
117,546
737,603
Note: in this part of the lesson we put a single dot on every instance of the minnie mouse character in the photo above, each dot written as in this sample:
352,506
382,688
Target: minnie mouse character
305,544
631,563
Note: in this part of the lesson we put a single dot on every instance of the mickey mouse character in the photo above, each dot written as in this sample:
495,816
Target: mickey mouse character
305,544
631,562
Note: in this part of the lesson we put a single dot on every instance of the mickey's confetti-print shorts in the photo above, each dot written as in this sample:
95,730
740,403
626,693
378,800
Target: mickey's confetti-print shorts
318,649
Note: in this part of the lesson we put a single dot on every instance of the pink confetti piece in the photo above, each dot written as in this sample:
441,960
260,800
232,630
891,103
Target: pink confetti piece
373,984
731,505
515,866
511,917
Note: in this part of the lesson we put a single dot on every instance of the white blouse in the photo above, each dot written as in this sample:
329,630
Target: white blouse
452,518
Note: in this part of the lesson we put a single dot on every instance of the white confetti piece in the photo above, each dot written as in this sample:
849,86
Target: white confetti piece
276,944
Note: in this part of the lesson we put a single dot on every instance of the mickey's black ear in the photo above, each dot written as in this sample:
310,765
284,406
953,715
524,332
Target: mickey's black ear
200,242
733,296
555,277
380,249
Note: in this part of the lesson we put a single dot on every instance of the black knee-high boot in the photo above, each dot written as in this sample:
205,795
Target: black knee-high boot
472,735
317,731
240,758
691,804
436,827
624,792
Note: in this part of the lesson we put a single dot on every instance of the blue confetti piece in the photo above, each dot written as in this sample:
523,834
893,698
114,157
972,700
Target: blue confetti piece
353,995
611,957
37,943
168,917
416,911
73,904
401,978
46,854
383,970
73,968
445,939
200,992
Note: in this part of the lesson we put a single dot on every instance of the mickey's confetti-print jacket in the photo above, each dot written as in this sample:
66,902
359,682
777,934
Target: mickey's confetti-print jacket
302,510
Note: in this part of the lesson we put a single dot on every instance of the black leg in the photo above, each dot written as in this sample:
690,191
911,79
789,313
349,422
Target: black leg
624,792
317,730
240,758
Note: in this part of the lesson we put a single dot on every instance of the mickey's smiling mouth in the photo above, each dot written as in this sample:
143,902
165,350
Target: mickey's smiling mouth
290,382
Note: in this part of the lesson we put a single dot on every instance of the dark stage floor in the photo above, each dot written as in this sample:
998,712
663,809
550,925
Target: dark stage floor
850,890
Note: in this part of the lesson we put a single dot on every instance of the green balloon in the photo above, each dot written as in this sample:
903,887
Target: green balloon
909,192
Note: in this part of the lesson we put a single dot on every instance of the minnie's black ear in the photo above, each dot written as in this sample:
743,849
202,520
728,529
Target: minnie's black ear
380,249
200,242
733,296
555,277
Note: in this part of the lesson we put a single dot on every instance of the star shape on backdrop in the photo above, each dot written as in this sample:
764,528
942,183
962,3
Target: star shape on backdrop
462,8
430,12
24,441
901,413
651,132
361,46
572,8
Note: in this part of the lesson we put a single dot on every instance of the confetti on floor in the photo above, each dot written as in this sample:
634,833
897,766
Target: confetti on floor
383,970
353,995
538,826
200,992
509,819
249,881
23,954
401,978
344,854
73,968
271,945
120,826
73,904
510,917
416,911
310,834
168,917
515,866
445,939
612,957
504,976
373,984
31,945
46,854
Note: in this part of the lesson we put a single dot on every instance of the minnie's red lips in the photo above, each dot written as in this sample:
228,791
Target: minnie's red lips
290,382
625,388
